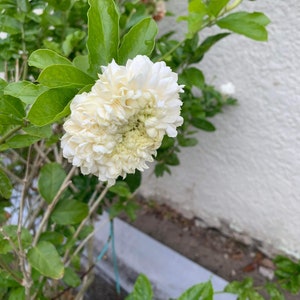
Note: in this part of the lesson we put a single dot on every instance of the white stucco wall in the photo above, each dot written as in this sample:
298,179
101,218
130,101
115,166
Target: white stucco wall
247,173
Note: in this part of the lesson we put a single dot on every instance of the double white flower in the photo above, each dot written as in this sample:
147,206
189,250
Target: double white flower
118,126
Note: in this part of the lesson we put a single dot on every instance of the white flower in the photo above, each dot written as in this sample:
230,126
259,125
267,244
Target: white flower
118,126
3,35
227,89
38,11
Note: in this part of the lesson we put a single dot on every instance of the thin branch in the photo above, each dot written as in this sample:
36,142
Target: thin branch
27,280
50,208
91,211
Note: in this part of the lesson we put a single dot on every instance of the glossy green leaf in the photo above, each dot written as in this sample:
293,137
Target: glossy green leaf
142,289
64,76
203,291
203,124
51,178
69,212
71,278
139,40
49,106
5,186
39,131
82,63
55,238
192,77
121,188
103,33
251,25
44,58
11,106
45,259
26,91
215,6
21,141
134,180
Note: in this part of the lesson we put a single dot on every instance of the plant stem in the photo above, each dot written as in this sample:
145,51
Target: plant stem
27,280
50,208
91,211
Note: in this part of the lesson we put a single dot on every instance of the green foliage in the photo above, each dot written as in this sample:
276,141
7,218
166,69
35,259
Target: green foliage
203,291
142,289
51,178
288,273
103,35
45,259
251,25
5,186
140,39
245,290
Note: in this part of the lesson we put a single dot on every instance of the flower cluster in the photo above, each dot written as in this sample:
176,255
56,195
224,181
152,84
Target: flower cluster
118,126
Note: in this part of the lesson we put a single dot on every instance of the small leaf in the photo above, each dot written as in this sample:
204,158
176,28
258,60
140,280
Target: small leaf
53,237
51,178
121,188
17,294
48,106
64,76
134,181
45,259
9,24
203,124
71,278
71,41
21,141
192,77
44,58
215,6
5,186
12,106
69,212
103,33
199,291
142,289
251,25
26,91
139,40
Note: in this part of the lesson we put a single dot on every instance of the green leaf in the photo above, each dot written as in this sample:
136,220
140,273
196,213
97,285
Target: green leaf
139,40
17,294
237,287
215,6
69,212
134,181
11,232
192,77
45,259
71,278
9,24
64,76
142,289
251,25
273,291
44,58
103,33
82,63
21,141
186,142
53,237
5,186
42,132
203,291
26,91
71,41
49,106
11,107
51,178
203,124
121,188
